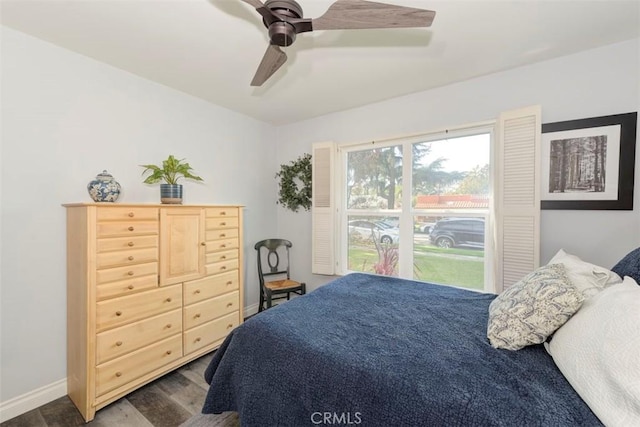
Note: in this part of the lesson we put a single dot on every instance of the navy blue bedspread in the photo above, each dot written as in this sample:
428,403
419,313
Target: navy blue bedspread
379,351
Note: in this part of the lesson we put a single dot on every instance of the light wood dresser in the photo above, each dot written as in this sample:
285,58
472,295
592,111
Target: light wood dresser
149,288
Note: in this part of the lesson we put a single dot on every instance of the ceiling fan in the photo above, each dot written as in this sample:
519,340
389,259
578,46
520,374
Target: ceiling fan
284,20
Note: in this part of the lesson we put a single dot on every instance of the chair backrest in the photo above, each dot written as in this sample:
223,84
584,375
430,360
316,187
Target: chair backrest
273,258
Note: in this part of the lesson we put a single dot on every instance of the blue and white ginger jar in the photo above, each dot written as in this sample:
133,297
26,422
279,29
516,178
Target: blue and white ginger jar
104,188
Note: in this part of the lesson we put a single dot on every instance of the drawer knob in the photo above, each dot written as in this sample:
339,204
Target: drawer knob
130,273
229,326
203,244
223,223
130,258
118,313
168,325
229,283
168,352
223,213
131,214
223,257
197,291
130,287
118,374
230,304
224,267
197,316
223,235
130,244
130,228
119,343
168,300
223,246
197,339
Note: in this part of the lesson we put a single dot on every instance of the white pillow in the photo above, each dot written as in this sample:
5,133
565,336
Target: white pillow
598,351
532,309
588,278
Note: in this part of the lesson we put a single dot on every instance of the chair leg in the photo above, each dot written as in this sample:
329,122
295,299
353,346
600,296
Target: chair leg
269,302
261,306
303,288
288,296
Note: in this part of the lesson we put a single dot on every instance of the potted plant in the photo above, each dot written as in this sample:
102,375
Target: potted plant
171,171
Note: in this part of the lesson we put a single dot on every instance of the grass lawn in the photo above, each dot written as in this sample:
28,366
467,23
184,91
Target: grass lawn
458,267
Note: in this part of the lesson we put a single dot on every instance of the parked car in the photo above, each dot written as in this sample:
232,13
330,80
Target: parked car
450,232
383,232
389,223
424,228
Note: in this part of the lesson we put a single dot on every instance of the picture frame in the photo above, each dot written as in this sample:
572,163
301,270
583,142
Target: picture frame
588,164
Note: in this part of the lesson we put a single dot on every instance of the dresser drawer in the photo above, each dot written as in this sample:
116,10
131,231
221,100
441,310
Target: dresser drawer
123,243
211,286
221,256
129,272
221,223
221,234
126,369
204,311
127,257
124,213
126,287
204,335
221,267
220,245
126,228
125,339
223,212
123,310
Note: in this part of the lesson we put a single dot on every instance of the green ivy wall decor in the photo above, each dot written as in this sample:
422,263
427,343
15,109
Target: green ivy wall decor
291,195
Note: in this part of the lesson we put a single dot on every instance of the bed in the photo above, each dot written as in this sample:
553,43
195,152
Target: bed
381,351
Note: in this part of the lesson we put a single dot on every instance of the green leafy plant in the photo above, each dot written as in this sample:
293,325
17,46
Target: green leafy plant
297,172
171,171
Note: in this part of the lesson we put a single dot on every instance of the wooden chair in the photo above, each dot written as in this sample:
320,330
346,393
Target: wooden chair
273,272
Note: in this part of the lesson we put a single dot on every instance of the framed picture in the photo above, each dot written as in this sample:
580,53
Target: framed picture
589,163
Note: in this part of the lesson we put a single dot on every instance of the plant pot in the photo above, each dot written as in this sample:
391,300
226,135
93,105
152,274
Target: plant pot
171,193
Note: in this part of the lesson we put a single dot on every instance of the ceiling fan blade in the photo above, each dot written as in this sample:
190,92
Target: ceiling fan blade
271,61
361,14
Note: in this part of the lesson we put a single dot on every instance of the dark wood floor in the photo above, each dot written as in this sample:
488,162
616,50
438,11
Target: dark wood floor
170,401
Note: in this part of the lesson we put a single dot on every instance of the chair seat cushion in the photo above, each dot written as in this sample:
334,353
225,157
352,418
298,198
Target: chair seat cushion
282,284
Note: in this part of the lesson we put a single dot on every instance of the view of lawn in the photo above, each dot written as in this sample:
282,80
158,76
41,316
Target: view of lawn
458,267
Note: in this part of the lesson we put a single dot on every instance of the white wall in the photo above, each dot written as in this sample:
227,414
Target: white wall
594,83
65,118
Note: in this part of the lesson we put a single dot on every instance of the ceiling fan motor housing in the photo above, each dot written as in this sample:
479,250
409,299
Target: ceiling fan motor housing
282,33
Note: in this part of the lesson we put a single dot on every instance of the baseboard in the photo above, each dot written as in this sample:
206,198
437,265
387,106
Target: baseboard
251,310
32,400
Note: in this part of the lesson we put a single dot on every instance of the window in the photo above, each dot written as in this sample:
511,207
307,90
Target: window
440,202
395,190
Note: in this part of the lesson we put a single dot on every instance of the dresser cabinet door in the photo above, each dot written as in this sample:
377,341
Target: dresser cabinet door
182,244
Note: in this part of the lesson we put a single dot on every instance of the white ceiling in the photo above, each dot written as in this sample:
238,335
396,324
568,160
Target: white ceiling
211,48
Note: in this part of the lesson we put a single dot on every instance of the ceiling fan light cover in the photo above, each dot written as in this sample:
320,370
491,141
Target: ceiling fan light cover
282,34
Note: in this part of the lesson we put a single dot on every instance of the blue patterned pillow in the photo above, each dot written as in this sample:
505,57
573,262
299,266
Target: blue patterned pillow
629,265
531,310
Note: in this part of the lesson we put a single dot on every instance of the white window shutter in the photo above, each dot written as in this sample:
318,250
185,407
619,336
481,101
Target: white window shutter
517,191
323,209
